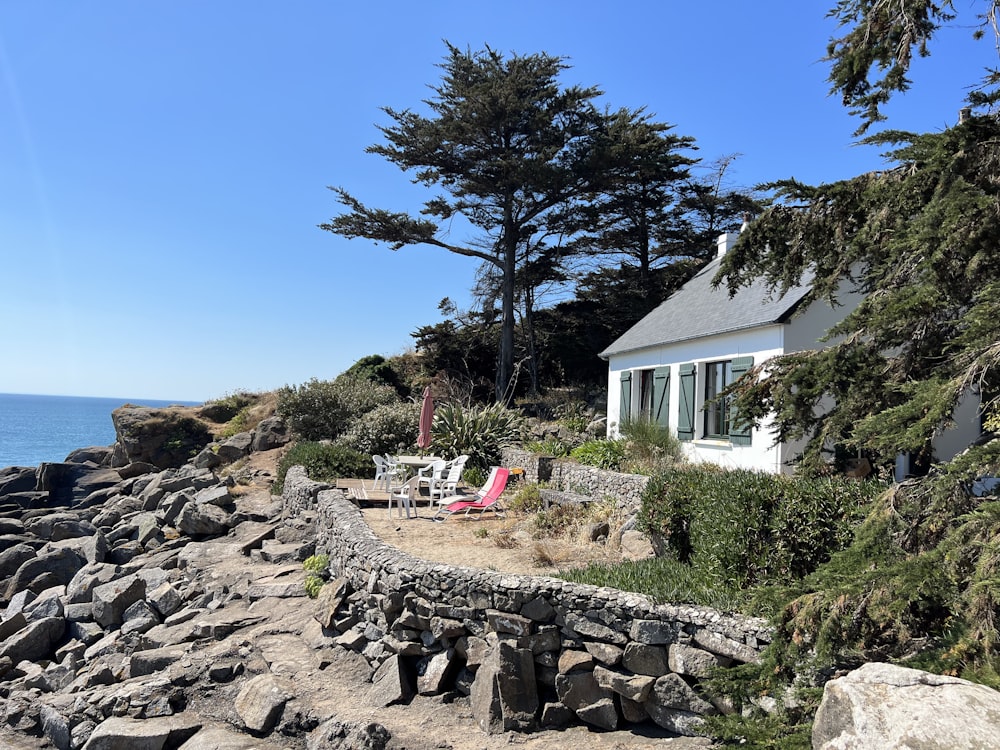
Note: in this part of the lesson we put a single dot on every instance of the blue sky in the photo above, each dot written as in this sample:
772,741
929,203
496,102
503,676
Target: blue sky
163,165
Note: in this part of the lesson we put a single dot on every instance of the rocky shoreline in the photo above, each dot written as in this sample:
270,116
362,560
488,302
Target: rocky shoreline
154,602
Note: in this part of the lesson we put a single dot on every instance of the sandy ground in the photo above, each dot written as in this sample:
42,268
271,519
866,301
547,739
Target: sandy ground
509,544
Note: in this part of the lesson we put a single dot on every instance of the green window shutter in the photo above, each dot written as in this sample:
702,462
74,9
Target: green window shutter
661,396
624,411
739,434
685,414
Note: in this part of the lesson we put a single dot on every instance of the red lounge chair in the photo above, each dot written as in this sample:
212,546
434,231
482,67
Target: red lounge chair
485,498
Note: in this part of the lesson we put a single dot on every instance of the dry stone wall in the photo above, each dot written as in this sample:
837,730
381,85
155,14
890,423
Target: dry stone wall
530,651
569,476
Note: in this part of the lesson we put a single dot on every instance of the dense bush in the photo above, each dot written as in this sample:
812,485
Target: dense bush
325,409
750,528
323,462
481,432
389,428
604,453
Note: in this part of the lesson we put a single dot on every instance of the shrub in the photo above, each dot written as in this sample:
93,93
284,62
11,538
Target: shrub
603,453
527,499
474,476
323,462
650,445
550,446
480,432
388,428
313,584
224,409
750,528
325,409
316,564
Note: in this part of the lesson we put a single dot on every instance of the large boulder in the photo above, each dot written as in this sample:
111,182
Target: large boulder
165,438
71,483
269,434
885,706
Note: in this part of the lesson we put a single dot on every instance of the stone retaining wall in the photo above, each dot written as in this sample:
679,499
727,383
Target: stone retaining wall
569,476
530,651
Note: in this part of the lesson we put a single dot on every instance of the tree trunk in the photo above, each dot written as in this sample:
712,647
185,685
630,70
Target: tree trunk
505,370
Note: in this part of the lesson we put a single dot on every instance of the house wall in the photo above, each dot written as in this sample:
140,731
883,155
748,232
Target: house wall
760,343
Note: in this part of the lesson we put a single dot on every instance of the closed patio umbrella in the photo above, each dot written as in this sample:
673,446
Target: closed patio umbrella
426,417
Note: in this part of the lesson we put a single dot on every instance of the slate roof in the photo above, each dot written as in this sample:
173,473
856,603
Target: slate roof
696,310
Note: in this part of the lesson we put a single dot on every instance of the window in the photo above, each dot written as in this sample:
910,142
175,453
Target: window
718,421
717,376
645,393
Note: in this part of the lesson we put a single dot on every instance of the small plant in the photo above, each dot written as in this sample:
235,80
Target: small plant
313,585
527,499
604,453
474,476
559,519
317,566
504,539
550,446
481,532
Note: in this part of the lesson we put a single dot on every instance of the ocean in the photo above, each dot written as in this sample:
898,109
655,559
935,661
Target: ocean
37,429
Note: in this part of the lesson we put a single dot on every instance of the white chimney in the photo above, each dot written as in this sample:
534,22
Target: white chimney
725,242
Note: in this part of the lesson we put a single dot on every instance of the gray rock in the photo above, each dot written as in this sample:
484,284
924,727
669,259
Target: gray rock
37,640
671,691
261,701
56,526
122,733
200,520
220,738
218,495
692,661
504,692
236,447
643,659
14,557
334,734
653,632
269,434
139,618
580,692
391,684
165,599
434,673
110,600
154,660
631,686
885,706
675,720
44,570
55,727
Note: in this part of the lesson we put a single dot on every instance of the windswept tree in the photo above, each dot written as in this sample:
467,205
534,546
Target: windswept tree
505,147
644,177
920,240
870,61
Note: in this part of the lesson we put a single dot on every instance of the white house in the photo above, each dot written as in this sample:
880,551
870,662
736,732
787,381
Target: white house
674,361
671,364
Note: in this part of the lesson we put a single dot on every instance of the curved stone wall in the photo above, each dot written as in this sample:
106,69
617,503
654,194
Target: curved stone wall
531,651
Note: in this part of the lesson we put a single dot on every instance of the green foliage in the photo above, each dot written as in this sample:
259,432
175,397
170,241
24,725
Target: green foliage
325,409
224,409
527,499
481,432
316,564
317,567
573,415
313,585
664,580
919,241
650,445
558,519
550,446
474,476
750,528
388,428
380,370
323,462
885,37
603,453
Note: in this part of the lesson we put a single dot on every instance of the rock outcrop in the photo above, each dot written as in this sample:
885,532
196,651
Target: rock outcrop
892,708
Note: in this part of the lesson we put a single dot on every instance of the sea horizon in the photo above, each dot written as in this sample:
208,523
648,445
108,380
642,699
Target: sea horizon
45,428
